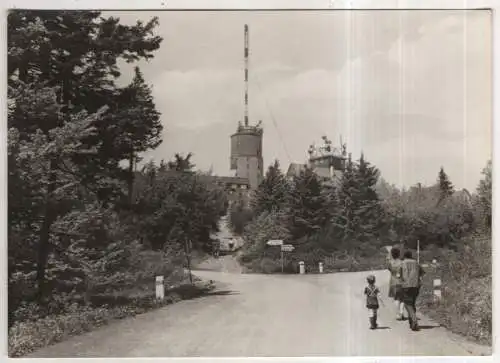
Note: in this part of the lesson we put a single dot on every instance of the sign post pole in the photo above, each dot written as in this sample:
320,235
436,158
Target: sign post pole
282,265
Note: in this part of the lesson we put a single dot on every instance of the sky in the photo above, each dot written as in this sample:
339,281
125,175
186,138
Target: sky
412,90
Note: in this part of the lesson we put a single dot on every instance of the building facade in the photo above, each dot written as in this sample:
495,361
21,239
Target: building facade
327,162
246,154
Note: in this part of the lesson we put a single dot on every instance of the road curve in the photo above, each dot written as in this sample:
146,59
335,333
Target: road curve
266,315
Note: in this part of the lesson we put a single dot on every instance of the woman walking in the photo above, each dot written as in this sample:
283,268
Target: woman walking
395,289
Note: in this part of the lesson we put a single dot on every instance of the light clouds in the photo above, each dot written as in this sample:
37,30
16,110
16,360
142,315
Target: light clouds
412,89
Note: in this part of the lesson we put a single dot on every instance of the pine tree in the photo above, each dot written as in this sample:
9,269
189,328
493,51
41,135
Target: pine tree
345,220
368,207
307,206
42,162
138,123
76,53
272,191
239,216
445,186
72,55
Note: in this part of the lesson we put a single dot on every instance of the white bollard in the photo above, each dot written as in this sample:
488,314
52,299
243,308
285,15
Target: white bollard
321,267
302,268
160,288
437,289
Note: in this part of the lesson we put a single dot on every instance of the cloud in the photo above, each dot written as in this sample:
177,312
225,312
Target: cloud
412,89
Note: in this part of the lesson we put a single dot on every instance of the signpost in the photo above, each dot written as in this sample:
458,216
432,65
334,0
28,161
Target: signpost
284,248
275,242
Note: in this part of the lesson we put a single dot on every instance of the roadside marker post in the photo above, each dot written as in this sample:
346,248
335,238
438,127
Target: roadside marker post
321,267
437,289
418,251
160,288
302,269
436,283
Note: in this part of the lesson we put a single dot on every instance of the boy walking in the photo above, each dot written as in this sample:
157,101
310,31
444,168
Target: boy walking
372,295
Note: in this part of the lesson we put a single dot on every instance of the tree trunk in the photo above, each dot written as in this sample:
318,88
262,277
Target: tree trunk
131,178
188,259
44,240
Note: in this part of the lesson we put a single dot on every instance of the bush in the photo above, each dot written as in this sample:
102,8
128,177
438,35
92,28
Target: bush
466,306
31,334
268,260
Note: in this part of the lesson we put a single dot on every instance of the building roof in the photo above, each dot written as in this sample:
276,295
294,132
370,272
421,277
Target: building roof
212,178
227,179
294,169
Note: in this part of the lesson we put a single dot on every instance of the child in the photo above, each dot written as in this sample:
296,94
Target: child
372,297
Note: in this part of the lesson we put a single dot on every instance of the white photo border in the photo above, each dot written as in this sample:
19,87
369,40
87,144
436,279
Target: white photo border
253,5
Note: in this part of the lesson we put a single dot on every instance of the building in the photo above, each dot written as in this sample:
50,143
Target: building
237,189
294,169
326,161
246,154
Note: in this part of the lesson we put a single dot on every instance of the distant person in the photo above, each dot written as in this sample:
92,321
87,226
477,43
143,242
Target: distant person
216,249
372,293
411,278
395,288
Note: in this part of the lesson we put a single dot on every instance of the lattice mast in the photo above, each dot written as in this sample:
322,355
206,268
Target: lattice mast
246,54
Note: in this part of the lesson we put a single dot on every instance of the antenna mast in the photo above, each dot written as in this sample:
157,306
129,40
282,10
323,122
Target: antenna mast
246,73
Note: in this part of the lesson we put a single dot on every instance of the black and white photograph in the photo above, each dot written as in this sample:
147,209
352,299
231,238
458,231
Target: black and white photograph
249,183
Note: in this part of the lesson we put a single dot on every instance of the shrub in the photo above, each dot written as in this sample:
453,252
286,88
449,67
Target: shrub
466,306
31,334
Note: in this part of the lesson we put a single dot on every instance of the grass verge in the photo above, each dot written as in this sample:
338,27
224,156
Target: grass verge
347,261
466,304
27,336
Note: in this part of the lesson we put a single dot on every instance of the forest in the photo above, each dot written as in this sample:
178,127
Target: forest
88,229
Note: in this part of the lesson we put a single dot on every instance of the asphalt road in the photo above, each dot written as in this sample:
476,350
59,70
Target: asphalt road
266,315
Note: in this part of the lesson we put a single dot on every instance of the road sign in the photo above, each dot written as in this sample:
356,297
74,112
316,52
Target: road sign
275,242
287,248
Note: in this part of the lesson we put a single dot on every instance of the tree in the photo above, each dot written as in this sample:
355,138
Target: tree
76,53
345,220
42,163
138,124
484,195
307,206
367,205
173,207
445,186
71,58
272,191
181,163
239,217
264,227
